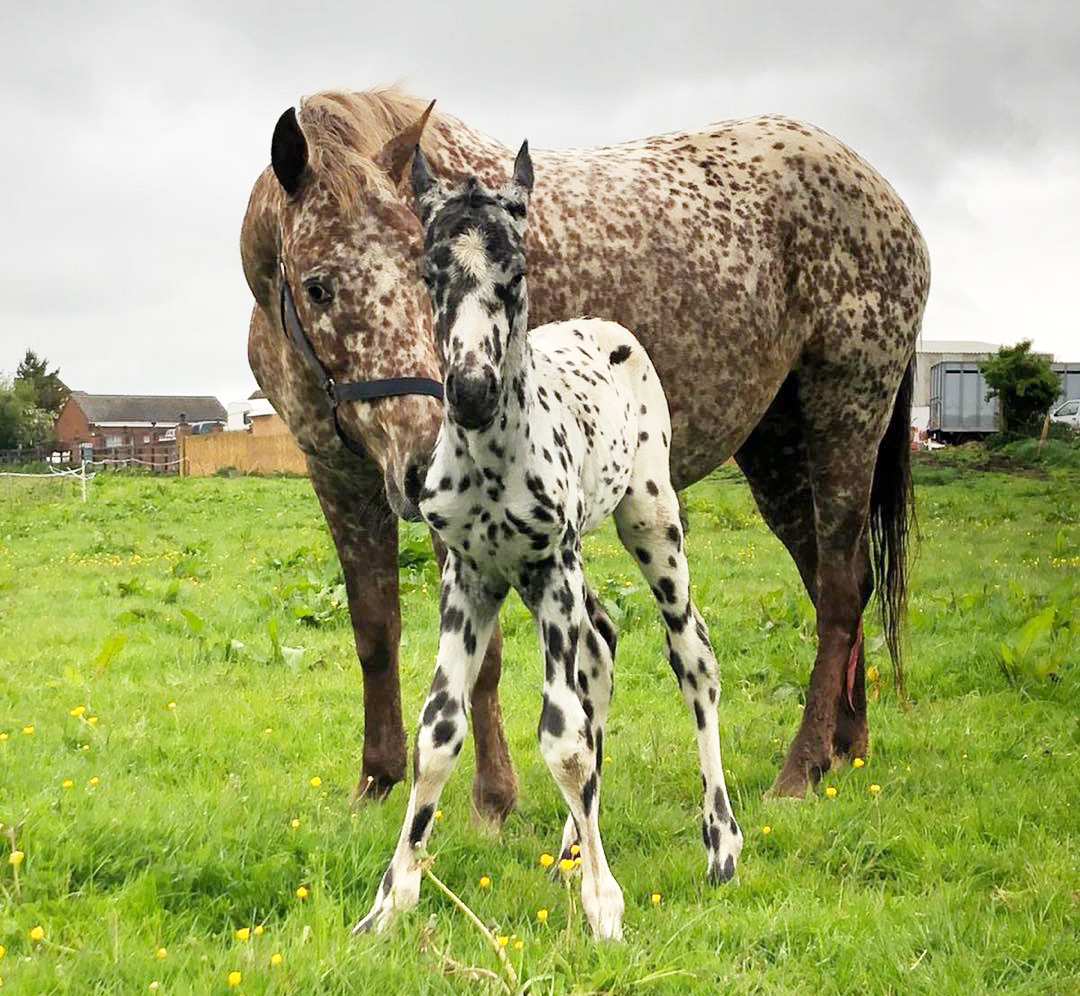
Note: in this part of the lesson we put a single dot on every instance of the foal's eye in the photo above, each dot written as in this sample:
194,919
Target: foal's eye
318,291
515,280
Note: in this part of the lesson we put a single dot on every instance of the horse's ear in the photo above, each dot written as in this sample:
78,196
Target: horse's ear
523,171
395,154
289,152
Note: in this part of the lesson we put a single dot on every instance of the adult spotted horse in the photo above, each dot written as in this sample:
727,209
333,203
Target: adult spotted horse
776,280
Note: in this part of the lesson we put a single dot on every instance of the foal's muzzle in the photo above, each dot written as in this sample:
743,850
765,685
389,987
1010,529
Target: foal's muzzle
472,397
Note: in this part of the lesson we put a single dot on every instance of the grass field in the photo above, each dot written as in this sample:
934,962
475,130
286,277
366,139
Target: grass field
180,730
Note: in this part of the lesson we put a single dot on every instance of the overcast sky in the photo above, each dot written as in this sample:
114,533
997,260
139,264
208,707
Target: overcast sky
131,134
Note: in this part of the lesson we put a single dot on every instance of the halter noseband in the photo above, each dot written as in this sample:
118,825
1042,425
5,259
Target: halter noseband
359,390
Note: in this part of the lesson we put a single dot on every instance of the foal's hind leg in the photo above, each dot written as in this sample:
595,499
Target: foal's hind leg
554,594
648,524
595,677
469,610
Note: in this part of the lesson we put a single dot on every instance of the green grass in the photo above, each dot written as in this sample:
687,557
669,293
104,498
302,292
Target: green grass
223,596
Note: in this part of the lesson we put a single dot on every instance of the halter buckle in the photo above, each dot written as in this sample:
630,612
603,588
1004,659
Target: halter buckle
331,390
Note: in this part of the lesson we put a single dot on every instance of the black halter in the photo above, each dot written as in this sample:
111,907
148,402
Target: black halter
360,390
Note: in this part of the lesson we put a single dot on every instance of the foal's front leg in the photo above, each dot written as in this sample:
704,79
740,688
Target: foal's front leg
469,609
566,733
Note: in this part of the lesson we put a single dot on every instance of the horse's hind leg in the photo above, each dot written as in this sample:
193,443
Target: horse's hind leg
845,415
776,463
647,520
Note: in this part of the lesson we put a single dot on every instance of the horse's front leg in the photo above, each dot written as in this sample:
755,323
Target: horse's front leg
364,531
568,739
495,786
469,609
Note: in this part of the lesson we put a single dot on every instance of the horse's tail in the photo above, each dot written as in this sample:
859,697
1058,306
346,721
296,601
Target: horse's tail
892,522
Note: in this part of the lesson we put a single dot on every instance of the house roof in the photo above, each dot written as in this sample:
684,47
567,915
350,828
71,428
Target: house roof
165,409
956,346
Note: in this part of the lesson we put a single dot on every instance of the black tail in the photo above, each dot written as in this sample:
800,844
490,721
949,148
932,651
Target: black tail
892,522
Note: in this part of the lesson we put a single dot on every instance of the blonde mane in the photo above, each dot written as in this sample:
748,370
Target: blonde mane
346,131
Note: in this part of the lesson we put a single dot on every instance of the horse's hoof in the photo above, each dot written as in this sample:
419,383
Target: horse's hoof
371,788
790,785
492,804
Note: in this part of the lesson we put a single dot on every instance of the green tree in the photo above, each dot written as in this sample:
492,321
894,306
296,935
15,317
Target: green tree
22,422
1024,384
49,391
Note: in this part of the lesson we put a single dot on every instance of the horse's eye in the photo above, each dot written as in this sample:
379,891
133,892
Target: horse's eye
515,280
318,291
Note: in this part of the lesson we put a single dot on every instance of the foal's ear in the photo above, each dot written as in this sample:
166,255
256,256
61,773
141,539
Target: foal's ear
523,171
395,154
422,180
289,152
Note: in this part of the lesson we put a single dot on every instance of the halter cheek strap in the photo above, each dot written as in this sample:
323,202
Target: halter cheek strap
360,390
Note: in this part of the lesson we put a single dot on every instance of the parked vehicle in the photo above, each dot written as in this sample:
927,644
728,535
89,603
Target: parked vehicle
959,409
1068,413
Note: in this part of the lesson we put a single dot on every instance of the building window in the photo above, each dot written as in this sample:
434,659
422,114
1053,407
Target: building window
113,442
146,439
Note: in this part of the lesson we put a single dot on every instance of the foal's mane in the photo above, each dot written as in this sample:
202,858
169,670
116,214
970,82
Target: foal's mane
346,130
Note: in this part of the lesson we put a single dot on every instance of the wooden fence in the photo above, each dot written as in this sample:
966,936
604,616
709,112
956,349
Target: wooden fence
202,456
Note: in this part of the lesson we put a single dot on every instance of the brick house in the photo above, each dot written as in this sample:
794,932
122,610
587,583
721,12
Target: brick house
111,421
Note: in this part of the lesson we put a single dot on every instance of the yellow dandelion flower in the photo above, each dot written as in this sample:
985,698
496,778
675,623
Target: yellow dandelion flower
171,706
655,899
161,954
438,814
294,823
575,850
234,979
28,730
858,762
276,959
268,730
16,858
258,930
67,784
78,711
3,951
502,940
4,737
316,781
875,788
243,933
542,915
37,934
302,892
91,720
830,792
546,860
766,830
94,782
519,944
485,882
607,759
566,865
871,673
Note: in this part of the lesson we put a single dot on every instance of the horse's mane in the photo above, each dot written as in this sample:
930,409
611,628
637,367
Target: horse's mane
346,130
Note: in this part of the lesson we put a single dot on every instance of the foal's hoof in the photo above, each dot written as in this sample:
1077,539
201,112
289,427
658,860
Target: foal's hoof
493,803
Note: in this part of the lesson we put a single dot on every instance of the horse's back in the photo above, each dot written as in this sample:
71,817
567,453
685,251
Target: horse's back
725,250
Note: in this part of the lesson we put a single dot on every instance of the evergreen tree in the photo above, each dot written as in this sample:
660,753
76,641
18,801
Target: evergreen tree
48,390
1025,385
